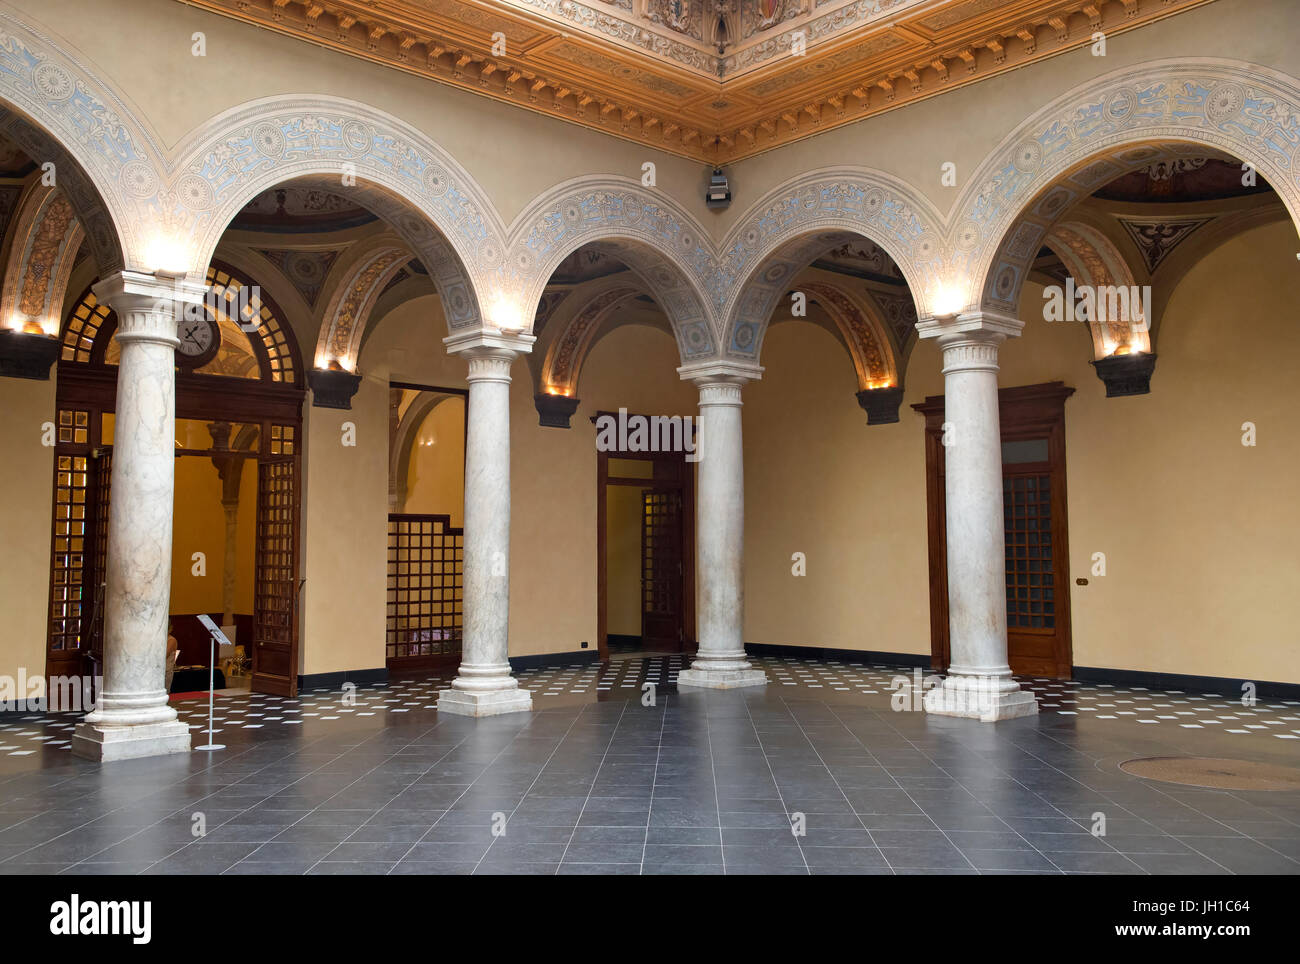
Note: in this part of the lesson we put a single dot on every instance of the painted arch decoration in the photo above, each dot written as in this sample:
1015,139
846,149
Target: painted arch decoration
1084,138
1092,259
795,222
562,367
649,233
46,236
860,325
357,285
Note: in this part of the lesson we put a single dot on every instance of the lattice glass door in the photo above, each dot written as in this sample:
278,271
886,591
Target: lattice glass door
661,569
275,578
426,565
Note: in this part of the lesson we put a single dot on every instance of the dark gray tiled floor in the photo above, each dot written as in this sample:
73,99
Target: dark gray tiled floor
701,783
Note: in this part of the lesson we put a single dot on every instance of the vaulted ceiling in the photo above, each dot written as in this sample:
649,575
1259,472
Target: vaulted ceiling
715,80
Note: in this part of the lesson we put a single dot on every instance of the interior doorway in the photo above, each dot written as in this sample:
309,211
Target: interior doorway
1035,529
426,536
645,537
236,523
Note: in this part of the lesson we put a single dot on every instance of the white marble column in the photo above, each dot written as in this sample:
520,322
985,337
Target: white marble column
979,683
132,717
484,685
720,662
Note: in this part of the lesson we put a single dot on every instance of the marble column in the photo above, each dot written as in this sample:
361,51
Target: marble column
979,684
720,661
484,685
132,717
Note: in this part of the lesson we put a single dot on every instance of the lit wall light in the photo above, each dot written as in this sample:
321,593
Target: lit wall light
505,314
948,300
165,255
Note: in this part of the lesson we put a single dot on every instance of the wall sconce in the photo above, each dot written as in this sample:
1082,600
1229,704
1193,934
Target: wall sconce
1128,373
333,387
554,411
28,352
881,404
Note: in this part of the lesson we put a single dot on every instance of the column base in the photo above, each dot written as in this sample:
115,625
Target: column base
485,702
978,698
91,741
726,674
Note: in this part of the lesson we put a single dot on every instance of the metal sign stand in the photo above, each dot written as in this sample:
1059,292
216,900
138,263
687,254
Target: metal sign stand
212,682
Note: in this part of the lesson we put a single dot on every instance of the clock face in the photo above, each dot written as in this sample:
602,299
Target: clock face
200,338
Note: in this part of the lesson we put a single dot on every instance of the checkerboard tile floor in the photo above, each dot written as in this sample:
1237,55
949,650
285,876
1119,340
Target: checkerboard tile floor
26,735
596,781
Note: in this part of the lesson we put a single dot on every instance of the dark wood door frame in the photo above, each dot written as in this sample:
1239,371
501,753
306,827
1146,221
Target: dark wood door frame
1025,412
201,397
682,476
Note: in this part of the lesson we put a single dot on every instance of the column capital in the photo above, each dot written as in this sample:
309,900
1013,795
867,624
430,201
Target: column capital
975,324
477,340
149,306
720,372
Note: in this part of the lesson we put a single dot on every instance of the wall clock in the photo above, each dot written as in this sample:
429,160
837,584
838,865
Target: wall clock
200,341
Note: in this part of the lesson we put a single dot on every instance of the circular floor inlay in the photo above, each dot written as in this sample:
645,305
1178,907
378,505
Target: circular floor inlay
1215,773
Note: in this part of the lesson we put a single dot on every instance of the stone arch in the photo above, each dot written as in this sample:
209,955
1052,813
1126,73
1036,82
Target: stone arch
863,332
1087,136
1093,259
561,366
355,285
408,428
357,151
42,246
58,110
652,235
793,223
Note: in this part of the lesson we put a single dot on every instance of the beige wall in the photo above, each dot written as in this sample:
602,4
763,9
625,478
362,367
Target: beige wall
1198,531
26,480
623,506
199,525
345,533
435,480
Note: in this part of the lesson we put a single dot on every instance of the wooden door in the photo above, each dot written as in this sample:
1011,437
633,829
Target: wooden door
1033,568
661,570
1035,529
275,576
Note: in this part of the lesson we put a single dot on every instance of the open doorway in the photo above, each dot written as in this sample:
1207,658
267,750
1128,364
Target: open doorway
426,536
645,535
236,511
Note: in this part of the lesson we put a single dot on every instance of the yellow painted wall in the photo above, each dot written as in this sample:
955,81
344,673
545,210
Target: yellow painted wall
345,534
26,479
1198,531
199,525
436,476
623,508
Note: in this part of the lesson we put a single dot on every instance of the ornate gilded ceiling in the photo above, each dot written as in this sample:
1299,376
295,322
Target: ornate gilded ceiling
715,80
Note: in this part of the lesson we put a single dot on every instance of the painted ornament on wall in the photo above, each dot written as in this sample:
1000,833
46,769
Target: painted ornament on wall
676,14
769,12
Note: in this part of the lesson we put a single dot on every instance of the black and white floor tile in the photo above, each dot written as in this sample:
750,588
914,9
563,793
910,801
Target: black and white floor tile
611,776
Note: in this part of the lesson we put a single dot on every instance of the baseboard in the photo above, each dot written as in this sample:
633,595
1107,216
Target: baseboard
362,677
623,639
1229,687
542,660
784,651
